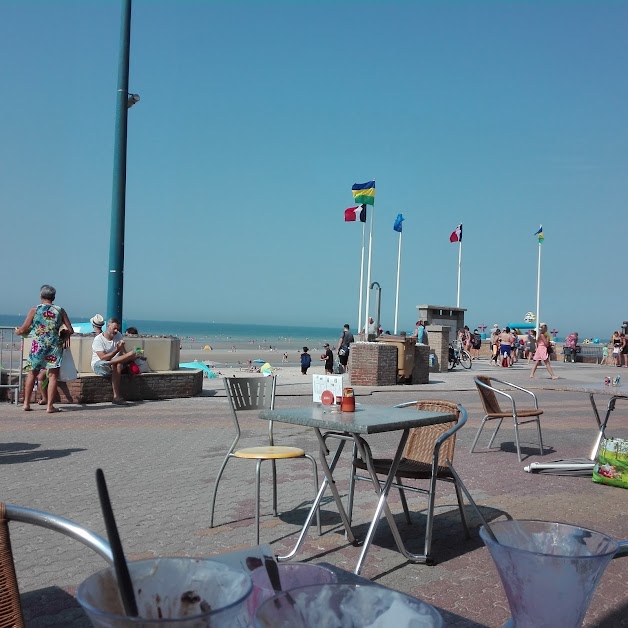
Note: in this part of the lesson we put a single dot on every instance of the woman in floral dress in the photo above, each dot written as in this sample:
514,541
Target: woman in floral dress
45,321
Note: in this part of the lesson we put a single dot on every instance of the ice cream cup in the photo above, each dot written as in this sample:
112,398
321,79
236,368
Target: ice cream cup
181,592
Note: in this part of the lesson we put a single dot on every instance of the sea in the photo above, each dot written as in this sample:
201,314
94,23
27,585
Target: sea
221,334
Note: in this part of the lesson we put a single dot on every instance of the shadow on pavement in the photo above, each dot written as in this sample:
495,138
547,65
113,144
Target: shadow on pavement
52,606
17,453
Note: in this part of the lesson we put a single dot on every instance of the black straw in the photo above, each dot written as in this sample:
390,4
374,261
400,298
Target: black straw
119,561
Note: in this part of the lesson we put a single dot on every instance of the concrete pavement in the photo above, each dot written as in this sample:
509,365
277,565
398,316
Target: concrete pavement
161,459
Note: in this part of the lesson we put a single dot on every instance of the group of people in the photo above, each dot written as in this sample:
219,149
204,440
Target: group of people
51,329
506,346
619,356
343,349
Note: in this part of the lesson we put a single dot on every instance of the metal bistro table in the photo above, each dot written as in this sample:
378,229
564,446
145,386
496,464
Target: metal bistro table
352,426
584,466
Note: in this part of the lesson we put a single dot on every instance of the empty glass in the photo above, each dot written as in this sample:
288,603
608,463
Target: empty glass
549,570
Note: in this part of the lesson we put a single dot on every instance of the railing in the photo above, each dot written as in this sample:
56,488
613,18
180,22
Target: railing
11,362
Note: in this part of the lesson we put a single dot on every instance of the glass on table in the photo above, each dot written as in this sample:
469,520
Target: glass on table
181,592
549,570
345,606
292,576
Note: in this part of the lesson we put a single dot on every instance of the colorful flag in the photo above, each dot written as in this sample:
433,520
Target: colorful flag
456,234
398,226
364,192
352,212
540,234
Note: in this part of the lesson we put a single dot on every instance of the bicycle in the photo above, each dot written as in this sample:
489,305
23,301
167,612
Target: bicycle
458,355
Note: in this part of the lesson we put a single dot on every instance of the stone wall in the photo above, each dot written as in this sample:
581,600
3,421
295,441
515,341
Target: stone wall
164,385
421,371
373,364
438,337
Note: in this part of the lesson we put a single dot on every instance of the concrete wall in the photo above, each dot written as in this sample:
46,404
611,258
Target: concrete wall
443,315
161,352
438,337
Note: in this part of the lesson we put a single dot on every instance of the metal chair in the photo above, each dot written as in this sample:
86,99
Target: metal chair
10,606
427,455
488,395
258,393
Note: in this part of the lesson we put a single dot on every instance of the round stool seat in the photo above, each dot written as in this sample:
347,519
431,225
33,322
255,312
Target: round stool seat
270,452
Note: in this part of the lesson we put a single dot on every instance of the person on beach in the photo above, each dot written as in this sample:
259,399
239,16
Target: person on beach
543,343
476,343
419,333
569,350
343,346
505,340
530,345
109,357
46,353
306,360
328,357
98,322
617,345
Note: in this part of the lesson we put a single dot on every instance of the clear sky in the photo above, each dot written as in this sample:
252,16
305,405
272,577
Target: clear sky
255,120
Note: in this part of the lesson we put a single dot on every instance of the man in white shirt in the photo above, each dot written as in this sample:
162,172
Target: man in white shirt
109,356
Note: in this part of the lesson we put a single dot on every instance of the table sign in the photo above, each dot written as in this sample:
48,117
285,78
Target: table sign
321,383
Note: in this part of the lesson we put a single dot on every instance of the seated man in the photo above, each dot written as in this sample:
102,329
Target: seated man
109,356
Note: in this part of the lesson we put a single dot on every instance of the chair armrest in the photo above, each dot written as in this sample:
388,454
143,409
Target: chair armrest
462,419
525,390
498,391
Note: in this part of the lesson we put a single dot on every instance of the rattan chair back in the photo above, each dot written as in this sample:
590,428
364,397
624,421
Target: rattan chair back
10,607
487,396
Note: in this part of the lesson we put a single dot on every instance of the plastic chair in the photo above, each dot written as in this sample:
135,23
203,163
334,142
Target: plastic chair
258,393
488,395
424,457
10,606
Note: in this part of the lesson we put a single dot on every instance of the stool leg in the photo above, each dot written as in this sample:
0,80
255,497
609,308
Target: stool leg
257,483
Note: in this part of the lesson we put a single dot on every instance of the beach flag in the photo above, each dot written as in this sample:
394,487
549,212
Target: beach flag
398,226
540,234
352,212
456,234
364,192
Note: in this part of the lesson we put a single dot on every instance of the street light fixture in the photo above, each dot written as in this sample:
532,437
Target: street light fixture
132,100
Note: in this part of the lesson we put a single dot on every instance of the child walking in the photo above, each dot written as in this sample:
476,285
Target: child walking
306,360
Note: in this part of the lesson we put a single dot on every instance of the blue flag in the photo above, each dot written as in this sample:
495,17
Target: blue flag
398,226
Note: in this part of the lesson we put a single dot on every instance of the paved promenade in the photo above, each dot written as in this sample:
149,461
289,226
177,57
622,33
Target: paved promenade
161,458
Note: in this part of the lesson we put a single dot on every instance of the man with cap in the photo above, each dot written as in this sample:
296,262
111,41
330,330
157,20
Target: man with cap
98,322
328,356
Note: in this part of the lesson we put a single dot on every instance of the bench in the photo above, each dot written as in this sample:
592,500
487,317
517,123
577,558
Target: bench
585,353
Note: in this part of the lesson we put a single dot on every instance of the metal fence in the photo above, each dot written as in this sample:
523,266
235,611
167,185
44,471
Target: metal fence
11,364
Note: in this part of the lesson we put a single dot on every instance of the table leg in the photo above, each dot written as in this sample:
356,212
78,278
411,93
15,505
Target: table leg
327,481
382,503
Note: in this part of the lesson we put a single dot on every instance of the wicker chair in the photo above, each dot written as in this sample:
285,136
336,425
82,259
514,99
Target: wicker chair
424,458
10,606
488,394
257,393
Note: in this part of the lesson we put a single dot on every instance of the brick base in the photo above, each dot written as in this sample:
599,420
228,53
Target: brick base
373,364
90,388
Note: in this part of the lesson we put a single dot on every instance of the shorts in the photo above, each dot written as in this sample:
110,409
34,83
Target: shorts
344,359
102,367
504,350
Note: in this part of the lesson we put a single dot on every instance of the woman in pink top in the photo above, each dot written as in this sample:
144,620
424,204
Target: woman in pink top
541,354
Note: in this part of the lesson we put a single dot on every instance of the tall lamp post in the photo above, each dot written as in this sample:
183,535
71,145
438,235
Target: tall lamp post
124,101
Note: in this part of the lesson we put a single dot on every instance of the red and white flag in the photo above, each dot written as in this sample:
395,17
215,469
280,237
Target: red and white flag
351,213
456,234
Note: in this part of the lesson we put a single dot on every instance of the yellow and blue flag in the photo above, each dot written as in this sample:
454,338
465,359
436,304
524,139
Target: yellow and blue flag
540,234
364,192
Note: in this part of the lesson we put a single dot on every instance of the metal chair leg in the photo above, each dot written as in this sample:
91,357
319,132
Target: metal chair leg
351,485
517,438
538,427
257,485
477,436
429,524
274,465
211,510
499,424
316,486
404,503
461,508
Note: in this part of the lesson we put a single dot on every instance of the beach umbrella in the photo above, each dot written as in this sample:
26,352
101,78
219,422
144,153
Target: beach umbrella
266,370
258,361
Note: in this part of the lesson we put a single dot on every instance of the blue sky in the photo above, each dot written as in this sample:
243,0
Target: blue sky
255,120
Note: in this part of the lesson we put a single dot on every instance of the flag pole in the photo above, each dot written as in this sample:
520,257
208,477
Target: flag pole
538,291
459,265
368,277
361,278
398,273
